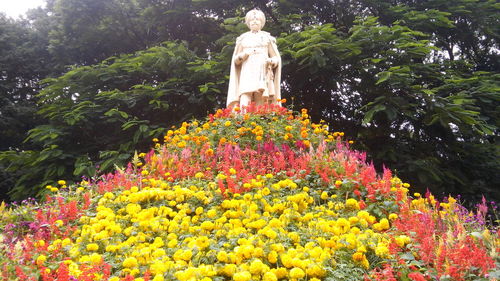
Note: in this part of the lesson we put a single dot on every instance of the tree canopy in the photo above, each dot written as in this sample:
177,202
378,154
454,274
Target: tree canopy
413,83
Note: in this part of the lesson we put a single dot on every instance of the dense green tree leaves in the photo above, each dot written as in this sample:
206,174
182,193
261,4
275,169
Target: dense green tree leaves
98,115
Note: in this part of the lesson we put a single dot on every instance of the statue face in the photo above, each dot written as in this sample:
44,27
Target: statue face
255,24
255,20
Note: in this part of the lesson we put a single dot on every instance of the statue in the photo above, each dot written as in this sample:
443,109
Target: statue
255,66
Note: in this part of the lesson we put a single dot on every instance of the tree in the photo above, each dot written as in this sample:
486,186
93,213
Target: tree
98,115
23,62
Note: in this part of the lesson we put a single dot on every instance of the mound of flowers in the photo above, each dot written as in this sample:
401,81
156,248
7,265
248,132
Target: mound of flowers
260,195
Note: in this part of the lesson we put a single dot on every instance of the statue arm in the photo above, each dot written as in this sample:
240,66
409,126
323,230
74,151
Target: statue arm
274,56
239,56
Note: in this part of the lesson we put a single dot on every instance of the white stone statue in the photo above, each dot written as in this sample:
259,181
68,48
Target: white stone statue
255,66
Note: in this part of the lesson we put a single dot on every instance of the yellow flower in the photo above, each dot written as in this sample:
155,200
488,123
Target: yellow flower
297,273
40,260
130,262
207,225
256,267
358,257
402,240
381,250
269,276
352,204
324,195
61,182
222,256
242,276
266,191
209,152
272,257
95,258
393,216
92,247
158,277
384,224
227,123
344,225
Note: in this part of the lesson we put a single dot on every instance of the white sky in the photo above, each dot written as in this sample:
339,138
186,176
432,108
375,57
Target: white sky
15,8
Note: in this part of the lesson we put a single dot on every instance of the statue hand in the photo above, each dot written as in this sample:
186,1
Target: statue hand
272,62
244,55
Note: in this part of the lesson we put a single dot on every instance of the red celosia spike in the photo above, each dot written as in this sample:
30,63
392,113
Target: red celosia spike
63,272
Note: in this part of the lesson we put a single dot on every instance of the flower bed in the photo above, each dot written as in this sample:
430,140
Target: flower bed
265,195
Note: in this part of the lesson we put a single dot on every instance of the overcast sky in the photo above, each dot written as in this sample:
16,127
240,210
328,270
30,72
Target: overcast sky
15,8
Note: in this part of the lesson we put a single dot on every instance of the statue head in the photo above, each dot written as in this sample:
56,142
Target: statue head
255,20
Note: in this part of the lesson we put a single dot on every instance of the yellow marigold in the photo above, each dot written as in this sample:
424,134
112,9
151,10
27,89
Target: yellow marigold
393,216
95,258
242,276
381,250
344,225
358,257
130,262
351,203
266,191
384,223
324,195
269,276
207,225
222,256
40,243
402,240
158,277
40,260
211,213
92,247
256,267
307,143
227,123
280,272
272,257
297,273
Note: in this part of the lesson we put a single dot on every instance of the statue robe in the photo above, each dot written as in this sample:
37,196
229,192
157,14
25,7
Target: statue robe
255,74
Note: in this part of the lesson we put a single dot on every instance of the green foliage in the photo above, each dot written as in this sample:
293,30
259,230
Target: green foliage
99,114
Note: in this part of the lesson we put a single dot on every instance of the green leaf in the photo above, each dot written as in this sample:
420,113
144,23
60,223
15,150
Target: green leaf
383,77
